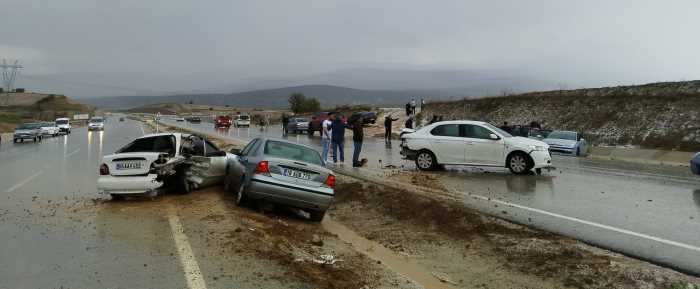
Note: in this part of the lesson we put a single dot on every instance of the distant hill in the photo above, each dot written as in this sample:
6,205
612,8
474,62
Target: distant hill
656,115
328,95
25,107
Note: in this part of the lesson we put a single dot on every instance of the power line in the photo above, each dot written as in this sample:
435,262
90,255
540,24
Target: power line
9,74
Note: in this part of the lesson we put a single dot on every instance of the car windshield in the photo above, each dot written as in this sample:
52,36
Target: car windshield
96,120
62,121
567,135
291,151
159,144
498,130
244,117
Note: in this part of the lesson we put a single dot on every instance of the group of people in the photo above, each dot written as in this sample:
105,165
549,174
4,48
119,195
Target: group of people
333,136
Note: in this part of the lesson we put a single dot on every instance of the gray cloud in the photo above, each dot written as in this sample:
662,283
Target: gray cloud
89,47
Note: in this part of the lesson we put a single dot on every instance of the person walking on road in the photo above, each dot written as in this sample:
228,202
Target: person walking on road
285,122
338,139
326,136
408,108
387,127
413,106
422,104
357,137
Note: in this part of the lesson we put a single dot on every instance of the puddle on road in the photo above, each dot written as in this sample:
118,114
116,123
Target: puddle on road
407,267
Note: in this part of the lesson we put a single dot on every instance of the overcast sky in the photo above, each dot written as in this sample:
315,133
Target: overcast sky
95,47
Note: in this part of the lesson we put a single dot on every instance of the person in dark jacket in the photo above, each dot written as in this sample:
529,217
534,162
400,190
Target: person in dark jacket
408,108
409,122
433,120
285,122
338,139
387,126
357,137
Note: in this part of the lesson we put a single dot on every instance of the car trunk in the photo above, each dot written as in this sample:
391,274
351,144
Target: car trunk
297,172
130,164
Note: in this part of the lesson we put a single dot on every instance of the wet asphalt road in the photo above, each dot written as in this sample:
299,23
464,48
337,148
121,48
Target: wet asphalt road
57,232
651,212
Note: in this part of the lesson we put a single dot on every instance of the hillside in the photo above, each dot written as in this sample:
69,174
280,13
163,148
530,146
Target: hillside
26,107
657,115
328,95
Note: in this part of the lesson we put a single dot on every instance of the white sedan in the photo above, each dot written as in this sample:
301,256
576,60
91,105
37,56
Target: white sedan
171,161
473,143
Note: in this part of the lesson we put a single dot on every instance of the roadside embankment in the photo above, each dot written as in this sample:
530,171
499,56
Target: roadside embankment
642,156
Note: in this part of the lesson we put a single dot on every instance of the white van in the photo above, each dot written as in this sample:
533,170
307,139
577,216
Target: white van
63,124
242,120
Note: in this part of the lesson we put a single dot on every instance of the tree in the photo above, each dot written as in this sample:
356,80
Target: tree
299,103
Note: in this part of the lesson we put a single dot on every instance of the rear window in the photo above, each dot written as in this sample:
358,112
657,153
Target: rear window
160,144
62,121
567,135
294,152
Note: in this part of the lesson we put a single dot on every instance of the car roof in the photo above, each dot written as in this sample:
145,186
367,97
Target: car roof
265,139
461,122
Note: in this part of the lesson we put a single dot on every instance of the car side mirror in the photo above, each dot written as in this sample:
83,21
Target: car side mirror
493,136
235,151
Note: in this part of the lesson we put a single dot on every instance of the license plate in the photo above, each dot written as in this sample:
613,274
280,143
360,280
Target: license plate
296,174
129,166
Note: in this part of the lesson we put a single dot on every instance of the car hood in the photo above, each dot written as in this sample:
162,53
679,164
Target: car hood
524,142
560,142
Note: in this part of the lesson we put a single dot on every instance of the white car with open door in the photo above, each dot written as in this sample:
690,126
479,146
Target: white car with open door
155,163
473,143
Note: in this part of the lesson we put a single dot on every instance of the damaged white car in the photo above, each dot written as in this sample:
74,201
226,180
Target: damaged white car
163,162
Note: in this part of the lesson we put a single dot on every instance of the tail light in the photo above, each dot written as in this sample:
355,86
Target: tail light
263,168
330,181
104,170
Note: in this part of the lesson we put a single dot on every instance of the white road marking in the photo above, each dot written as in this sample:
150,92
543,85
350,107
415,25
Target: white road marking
594,224
23,182
72,153
193,275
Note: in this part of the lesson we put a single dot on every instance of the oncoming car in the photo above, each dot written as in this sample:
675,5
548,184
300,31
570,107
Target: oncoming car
473,143
96,123
282,172
157,163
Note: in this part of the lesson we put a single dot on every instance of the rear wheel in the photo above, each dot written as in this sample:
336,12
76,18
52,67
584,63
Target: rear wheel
317,216
519,163
117,197
425,160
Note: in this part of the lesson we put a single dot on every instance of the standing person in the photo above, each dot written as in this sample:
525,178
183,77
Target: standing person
357,137
338,139
387,127
409,122
326,136
422,104
408,108
507,128
433,120
285,122
413,106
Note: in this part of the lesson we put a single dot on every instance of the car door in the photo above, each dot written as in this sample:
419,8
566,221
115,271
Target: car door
447,144
480,149
208,163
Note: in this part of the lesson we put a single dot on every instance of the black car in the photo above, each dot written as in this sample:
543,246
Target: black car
368,117
193,119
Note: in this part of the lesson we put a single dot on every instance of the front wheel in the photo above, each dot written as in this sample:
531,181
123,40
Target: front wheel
425,160
519,163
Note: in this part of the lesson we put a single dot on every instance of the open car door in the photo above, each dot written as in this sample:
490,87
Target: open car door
208,163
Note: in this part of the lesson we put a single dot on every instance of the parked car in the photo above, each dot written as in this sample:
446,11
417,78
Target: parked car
242,120
193,119
162,162
368,117
63,124
179,119
566,142
282,172
222,121
473,143
49,128
96,123
298,125
316,121
121,119
27,131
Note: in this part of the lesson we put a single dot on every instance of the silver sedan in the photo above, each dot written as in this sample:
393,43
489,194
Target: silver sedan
281,172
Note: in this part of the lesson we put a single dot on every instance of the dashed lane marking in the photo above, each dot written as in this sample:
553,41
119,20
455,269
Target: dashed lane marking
23,182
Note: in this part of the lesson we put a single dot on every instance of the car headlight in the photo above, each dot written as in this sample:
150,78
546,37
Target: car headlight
538,148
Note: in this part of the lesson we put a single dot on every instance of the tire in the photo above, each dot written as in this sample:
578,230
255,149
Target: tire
317,216
14,140
538,171
117,197
519,163
425,160
241,197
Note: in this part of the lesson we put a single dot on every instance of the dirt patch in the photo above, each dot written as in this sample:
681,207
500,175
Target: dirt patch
418,225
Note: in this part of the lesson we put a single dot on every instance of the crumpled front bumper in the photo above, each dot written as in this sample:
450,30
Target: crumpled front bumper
128,184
